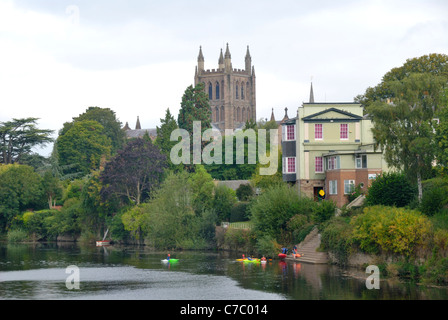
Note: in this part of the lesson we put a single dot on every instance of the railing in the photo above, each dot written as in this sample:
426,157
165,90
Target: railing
237,225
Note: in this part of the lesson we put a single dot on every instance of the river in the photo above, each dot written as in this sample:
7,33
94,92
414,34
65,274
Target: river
70,271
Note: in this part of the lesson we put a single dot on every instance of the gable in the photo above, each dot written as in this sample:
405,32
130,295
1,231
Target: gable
332,115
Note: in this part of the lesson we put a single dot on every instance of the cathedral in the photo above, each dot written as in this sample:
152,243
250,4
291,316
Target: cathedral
231,91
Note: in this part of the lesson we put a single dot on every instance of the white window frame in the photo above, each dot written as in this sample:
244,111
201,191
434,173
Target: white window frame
285,132
359,165
334,161
340,131
348,183
315,164
286,168
322,131
333,187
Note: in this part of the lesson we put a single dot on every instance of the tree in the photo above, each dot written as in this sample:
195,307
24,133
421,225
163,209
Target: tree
20,189
404,127
18,137
194,107
83,145
434,64
51,187
223,202
135,170
163,141
441,136
107,118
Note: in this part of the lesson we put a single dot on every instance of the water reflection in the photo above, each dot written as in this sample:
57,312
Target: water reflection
38,272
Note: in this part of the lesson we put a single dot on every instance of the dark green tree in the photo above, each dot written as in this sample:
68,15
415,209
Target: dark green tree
18,137
194,107
135,170
163,141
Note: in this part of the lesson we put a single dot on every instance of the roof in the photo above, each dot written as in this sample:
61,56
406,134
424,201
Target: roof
139,133
342,116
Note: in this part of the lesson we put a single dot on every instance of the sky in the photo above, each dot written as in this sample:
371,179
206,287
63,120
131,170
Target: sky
135,57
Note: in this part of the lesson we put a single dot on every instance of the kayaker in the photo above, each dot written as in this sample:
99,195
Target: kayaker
168,258
263,258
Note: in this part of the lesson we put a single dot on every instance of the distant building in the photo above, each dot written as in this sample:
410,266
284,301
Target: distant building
231,91
138,132
330,147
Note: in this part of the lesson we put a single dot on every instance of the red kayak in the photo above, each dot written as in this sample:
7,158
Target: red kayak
282,255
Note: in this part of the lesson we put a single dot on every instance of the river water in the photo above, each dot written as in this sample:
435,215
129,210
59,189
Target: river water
71,271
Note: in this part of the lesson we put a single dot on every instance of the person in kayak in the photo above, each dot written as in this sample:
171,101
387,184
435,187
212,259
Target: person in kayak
168,258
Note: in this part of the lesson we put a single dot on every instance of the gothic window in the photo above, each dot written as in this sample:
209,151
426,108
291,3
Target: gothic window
243,114
236,91
247,90
222,116
210,91
217,114
242,92
217,91
222,89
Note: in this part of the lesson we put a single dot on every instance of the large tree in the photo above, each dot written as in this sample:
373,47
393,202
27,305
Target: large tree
135,170
194,107
18,137
112,126
82,146
163,141
402,108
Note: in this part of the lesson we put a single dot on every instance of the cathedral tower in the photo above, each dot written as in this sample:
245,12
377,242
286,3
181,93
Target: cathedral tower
231,91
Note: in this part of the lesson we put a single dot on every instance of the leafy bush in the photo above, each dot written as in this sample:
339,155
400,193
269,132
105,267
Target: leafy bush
433,201
391,189
267,246
17,235
323,211
223,202
240,212
336,237
390,229
272,210
245,192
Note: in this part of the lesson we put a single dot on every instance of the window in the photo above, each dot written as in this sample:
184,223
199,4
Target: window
236,92
217,91
349,186
318,165
210,91
332,163
318,131
333,187
289,132
361,161
344,131
242,92
289,165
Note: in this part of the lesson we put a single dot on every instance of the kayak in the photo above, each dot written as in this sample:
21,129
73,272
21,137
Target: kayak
169,261
247,260
282,255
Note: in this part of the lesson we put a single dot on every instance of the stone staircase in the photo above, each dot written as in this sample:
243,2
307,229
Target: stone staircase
307,248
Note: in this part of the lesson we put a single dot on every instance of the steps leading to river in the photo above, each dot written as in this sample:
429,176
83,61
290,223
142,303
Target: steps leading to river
308,249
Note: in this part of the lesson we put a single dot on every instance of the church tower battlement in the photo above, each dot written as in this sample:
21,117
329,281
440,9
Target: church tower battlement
231,91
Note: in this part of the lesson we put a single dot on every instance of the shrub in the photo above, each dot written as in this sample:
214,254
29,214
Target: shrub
434,200
267,246
223,202
391,189
336,237
272,210
17,235
390,229
240,212
323,211
244,192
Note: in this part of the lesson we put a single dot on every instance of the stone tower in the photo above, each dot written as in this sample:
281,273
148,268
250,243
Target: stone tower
231,91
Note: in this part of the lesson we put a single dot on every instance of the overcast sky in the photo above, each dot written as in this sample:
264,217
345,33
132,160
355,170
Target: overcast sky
138,57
